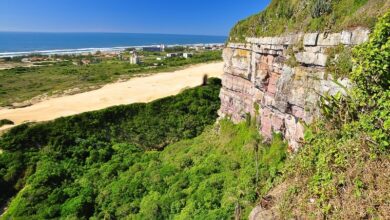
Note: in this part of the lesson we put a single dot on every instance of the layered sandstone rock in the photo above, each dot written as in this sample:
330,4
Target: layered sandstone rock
258,82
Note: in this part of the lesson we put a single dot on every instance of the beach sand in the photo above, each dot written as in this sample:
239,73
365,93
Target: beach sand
142,89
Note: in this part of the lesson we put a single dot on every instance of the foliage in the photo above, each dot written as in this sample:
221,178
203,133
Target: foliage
286,16
292,60
24,83
148,126
372,75
6,122
321,7
208,177
345,163
338,109
339,62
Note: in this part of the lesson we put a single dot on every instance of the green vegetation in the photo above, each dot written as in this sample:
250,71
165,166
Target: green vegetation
6,122
103,164
23,83
285,16
149,126
344,167
165,159
339,62
292,60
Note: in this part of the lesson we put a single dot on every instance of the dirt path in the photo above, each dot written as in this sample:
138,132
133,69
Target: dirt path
143,89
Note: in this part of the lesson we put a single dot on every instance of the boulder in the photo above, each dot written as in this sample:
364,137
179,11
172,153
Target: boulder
260,213
310,39
346,37
318,59
332,39
359,36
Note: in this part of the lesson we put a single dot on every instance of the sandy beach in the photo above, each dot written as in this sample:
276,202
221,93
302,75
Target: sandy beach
142,89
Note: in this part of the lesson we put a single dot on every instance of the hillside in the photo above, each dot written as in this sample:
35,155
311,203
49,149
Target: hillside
327,94
292,16
302,133
121,163
47,157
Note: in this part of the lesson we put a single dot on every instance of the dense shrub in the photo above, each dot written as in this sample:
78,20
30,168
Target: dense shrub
339,62
213,176
87,137
6,122
321,7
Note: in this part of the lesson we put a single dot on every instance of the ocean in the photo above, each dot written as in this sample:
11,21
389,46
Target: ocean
20,43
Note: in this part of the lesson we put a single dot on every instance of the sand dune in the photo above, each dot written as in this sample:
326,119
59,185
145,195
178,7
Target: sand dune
143,89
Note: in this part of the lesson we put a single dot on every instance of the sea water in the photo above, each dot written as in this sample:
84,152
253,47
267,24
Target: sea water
23,43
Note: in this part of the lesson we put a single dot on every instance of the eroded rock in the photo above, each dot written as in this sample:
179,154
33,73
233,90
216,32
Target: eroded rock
257,81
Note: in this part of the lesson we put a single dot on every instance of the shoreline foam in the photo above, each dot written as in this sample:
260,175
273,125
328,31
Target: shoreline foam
91,50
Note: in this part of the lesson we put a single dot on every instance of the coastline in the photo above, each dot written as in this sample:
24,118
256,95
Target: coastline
92,50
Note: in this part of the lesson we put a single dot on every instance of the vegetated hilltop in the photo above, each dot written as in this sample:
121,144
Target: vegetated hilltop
286,16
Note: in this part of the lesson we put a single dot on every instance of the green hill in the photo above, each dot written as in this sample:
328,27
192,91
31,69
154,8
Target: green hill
291,16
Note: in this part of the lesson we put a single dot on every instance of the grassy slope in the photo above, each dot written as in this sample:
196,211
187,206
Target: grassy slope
284,16
21,84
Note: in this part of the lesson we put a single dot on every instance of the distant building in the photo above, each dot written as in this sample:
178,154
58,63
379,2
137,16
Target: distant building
188,55
170,55
134,59
159,58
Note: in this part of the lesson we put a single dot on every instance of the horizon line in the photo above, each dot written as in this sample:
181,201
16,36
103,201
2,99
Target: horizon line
106,32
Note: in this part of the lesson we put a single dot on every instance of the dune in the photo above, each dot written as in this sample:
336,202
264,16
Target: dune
141,89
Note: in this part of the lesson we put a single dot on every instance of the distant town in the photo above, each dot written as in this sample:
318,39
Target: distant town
30,78
133,55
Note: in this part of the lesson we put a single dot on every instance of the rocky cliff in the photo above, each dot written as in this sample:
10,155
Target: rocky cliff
261,81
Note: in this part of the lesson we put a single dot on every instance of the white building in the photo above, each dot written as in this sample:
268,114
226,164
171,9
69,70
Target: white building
187,55
134,59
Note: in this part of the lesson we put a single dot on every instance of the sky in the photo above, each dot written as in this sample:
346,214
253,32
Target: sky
201,17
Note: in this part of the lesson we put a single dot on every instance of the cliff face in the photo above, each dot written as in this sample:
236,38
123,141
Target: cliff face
257,80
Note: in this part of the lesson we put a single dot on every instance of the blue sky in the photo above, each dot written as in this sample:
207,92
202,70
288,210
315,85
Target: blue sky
205,17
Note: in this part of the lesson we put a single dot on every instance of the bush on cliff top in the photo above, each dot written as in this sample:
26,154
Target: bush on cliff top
6,122
284,16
